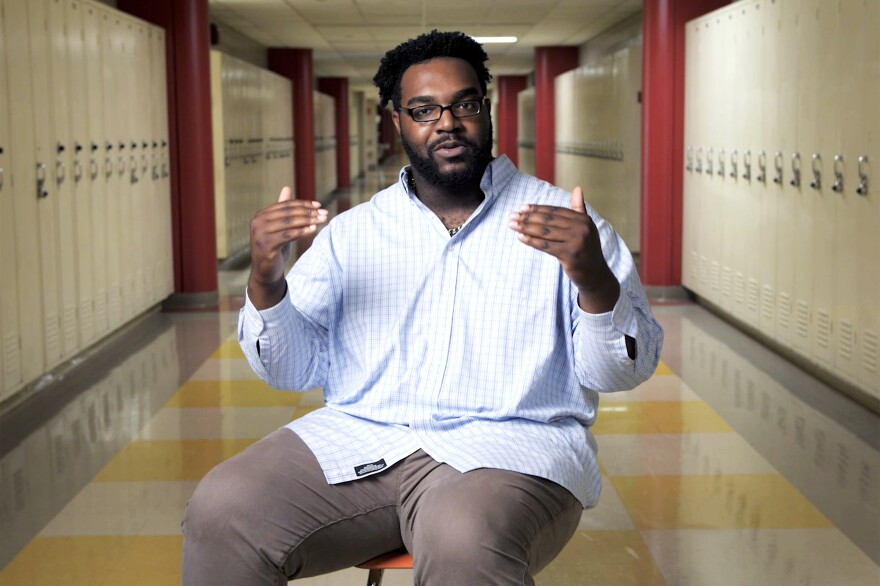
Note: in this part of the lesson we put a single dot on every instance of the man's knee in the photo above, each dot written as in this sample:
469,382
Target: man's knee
219,503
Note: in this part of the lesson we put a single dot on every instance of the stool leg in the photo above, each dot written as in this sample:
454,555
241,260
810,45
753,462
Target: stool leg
375,577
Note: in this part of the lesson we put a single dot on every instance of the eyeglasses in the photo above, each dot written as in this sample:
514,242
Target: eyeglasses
433,112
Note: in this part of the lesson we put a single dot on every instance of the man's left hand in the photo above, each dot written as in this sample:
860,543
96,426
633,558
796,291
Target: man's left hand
571,236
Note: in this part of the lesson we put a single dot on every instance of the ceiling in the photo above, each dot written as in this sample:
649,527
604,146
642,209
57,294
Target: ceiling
349,37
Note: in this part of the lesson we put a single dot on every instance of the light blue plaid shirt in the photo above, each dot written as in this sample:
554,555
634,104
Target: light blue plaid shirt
470,347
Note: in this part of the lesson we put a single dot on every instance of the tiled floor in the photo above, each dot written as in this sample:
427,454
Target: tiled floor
728,467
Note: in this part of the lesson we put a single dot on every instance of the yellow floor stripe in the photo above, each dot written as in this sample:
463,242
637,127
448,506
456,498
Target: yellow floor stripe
147,560
658,417
662,369
228,349
231,393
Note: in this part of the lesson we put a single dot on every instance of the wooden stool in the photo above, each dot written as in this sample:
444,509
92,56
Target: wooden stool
393,560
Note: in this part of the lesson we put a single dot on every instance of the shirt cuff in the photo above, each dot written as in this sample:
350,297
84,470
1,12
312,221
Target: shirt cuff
258,321
620,319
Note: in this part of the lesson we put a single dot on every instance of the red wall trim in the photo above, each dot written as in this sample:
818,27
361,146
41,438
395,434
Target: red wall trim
549,62
338,88
507,117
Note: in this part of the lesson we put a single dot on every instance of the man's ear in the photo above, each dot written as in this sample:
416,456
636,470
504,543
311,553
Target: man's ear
395,117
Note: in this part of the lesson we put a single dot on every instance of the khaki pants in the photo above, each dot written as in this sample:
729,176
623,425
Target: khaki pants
268,515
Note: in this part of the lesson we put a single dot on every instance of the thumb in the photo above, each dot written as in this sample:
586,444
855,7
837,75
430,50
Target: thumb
286,194
577,200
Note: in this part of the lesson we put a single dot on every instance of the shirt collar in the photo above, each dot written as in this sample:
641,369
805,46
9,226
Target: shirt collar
495,178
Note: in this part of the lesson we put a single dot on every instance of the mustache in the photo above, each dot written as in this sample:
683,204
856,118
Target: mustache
452,141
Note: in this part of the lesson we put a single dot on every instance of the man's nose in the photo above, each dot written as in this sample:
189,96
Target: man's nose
447,121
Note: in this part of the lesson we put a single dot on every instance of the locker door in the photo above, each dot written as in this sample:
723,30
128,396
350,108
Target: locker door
81,182
824,128
10,356
99,162
867,205
807,143
143,223
764,160
790,237
65,251
22,185
46,162
690,213
112,79
160,98
123,90
749,193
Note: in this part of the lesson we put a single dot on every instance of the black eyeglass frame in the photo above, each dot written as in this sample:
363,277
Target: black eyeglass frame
450,107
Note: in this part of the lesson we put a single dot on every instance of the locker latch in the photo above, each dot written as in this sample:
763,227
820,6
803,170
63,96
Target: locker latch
863,175
777,164
816,167
796,170
41,181
734,159
747,165
762,167
710,156
838,174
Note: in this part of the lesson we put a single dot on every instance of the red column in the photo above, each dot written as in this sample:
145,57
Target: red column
190,144
296,65
549,62
663,135
338,88
507,116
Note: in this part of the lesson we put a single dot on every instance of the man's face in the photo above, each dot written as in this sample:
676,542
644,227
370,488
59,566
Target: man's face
449,152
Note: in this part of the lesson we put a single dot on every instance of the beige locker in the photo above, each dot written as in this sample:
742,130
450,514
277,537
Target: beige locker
65,242
100,163
526,130
112,48
124,82
355,110
825,140
764,172
161,174
787,158
45,155
10,351
690,210
81,182
143,222
866,116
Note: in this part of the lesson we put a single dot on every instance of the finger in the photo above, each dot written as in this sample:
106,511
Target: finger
286,194
552,247
577,200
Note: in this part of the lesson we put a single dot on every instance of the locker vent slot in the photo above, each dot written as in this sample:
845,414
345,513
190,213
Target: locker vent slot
802,320
101,309
704,272
716,269
767,303
52,334
11,359
695,267
740,289
784,311
823,328
869,350
86,319
845,340
752,296
70,327
726,281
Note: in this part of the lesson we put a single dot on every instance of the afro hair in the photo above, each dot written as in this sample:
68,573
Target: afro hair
424,48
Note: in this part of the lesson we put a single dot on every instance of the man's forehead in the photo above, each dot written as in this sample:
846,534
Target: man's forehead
439,74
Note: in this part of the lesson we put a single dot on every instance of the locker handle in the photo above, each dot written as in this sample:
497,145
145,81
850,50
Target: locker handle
699,168
77,171
777,164
41,181
134,168
60,172
796,169
734,158
816,167
838,174
120,165
1,178
863,175
747,165
710,156
93,169
144,164
762,167
108,167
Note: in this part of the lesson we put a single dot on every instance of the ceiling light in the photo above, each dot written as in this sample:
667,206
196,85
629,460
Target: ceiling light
484,40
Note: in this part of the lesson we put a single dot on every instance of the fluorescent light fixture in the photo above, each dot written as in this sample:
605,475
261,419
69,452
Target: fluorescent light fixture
483,40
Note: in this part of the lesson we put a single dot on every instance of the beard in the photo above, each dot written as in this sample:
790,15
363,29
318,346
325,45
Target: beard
428,169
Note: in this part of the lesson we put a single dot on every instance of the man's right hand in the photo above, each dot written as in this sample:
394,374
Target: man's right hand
273,230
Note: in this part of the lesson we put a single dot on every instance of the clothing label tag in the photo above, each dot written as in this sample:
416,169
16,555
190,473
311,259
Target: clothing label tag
368,468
